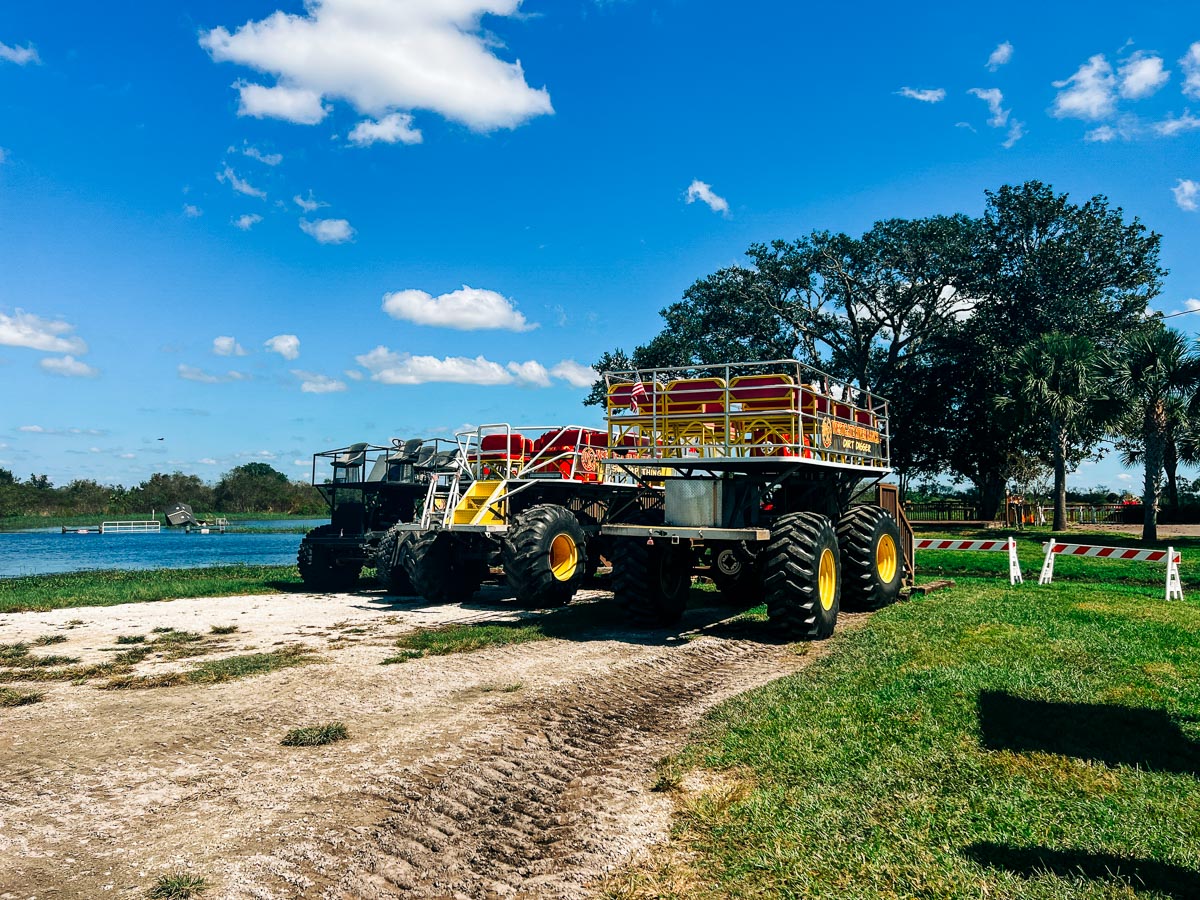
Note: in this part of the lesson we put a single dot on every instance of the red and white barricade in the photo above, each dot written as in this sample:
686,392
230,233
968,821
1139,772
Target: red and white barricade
1014,566
1174,586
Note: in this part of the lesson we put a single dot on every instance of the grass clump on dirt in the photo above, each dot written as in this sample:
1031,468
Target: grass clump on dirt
223,629
178,886
131,639
112,587
47,639
17,656
987,741
219,671
10,698
315,735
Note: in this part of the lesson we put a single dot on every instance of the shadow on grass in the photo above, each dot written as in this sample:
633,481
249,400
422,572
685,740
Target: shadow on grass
1146,875
1114,735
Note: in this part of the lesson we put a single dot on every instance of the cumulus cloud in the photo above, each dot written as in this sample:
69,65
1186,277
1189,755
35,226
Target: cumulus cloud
1000,56
1191,71
1016,131
246,221
267,159
1187,193
297,105
1172,126
1089,93
925,95
192,211
286,345
389,367
531,373
467,309
192,373
328,231
1191,304
38,429
382,58
1101,135
1141,75
698,190
23,329
68,367
994,99
575,374
242,187
309,203
312,383
19,55
227,346
207,461
354,374
396,128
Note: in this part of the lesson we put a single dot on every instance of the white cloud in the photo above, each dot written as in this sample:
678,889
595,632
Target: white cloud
23,329
242,187
227,346
34,429
1186,194
1191,304
467,309
403,368
312,383
127,456
1101,135
575,374
207,461
354,374
531,372
698,190
1141,75
246,221
1172,126
1016,131
297,105
1089,93
395,128
1000,56
191,373
382,58
925,95
192,211
268,159
19,55
309,203
993,98
38,429
328,231
286,345
68,366
1191,71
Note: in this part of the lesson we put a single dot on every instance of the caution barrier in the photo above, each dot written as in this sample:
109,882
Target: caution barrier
1014,566
1174,586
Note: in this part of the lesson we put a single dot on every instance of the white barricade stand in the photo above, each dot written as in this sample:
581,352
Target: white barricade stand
1174,586
1014,566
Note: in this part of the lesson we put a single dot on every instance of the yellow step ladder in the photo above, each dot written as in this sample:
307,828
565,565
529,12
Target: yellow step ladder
477,506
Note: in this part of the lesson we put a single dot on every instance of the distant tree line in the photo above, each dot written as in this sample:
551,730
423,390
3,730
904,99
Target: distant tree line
1016,339
251,488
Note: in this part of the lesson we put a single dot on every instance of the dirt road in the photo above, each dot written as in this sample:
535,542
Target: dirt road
522,771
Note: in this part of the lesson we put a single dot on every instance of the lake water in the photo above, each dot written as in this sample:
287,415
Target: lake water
45,552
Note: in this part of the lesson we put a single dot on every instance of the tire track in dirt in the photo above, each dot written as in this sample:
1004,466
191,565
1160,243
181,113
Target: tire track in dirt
525,812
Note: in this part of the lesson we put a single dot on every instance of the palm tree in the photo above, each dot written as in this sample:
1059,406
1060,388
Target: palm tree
1062,379
1155,374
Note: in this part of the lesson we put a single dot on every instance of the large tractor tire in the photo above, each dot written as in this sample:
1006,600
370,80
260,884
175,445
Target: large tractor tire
736,577
651,582
872,559
388,571
318,564
545,556
435,568
802,576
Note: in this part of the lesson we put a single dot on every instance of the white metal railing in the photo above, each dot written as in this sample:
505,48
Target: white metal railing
138,527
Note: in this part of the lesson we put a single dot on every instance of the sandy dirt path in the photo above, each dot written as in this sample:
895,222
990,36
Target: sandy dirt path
509,772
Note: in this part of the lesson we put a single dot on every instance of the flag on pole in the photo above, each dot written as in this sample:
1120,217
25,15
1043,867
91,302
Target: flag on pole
637,396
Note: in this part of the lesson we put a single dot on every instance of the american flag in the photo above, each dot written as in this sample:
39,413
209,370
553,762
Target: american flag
637,396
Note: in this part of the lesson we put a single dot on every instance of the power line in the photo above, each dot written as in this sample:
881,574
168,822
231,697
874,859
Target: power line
1186,312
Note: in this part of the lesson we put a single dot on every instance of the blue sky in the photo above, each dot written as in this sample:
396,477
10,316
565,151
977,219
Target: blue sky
262,229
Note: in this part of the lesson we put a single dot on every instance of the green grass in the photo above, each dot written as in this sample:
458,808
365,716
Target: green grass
178,886
9,697
223,629
131,639
986,741
219,671
315,735
47,639
112,587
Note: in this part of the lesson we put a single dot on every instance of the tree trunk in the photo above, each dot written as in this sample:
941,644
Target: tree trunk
1060,483
1152,469
991,495
1171,464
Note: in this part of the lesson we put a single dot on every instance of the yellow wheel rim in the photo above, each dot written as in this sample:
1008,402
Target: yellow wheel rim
886,559
827,578
564,557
